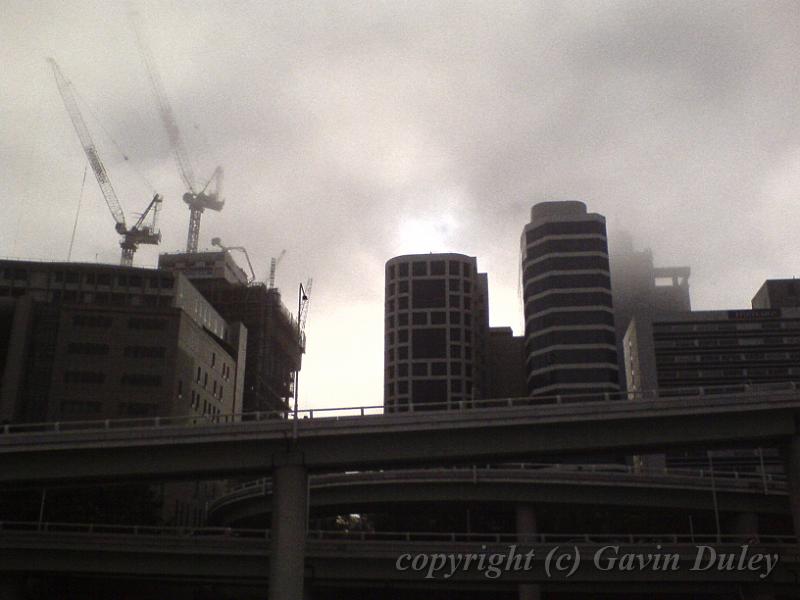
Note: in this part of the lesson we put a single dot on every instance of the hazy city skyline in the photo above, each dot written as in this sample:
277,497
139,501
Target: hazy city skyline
352,134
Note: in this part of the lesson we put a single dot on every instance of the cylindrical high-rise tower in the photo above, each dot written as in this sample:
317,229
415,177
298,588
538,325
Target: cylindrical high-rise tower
569,320
436,327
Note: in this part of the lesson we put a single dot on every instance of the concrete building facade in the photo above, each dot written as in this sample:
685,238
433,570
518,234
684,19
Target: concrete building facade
84,342
435,334
275,345
570,345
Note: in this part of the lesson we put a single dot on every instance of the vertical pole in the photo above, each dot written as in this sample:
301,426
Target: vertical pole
714,495
41,507
288,533
763,470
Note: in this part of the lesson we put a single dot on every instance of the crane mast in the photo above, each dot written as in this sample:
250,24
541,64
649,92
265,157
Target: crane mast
273,267
197,200
145,229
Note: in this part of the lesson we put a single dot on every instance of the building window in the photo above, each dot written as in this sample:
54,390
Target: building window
428,293
87,348
403,269
144,351
213,358
429,343
148,324
419,268
419,369
141,379
78,407
94,321
84,377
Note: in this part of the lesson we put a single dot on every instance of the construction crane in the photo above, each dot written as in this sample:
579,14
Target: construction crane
218,242
145,230
198,199
273,266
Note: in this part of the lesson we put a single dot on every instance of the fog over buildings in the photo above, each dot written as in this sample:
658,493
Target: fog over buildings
354,133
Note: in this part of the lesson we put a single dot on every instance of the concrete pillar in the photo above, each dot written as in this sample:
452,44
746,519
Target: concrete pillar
792,466
288,535
527,525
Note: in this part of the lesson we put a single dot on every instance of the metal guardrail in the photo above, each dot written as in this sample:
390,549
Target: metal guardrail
635,401
141,531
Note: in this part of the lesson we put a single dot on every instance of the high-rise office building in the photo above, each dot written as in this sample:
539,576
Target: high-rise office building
570,343
435,335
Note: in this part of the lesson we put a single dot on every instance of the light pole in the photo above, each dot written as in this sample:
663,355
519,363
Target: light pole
301,297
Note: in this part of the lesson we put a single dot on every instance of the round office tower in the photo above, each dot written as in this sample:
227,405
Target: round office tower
570,345
435,333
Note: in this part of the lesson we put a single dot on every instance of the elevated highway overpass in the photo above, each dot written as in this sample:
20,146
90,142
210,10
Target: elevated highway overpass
496,430
337,557
528,483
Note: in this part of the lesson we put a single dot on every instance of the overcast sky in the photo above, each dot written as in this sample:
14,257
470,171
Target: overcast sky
351,132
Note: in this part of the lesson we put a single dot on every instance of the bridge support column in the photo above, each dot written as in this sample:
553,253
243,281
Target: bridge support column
288,534
527,525
792,466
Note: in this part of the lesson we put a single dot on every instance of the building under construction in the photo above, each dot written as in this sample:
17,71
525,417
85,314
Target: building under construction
275,342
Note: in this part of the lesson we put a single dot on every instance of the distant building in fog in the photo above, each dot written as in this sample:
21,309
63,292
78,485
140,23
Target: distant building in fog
570,343
642,290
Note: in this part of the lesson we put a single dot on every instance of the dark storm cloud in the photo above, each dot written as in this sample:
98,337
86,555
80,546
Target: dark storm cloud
351,132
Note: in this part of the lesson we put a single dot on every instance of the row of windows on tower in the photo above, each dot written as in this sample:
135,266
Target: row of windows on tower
435,267
404,304
454,285
423,369
556,246
566,263
440,385
430,336
430,351
435,318
565,228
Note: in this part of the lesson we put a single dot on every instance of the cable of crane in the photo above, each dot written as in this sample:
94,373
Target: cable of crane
77,212
116,144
